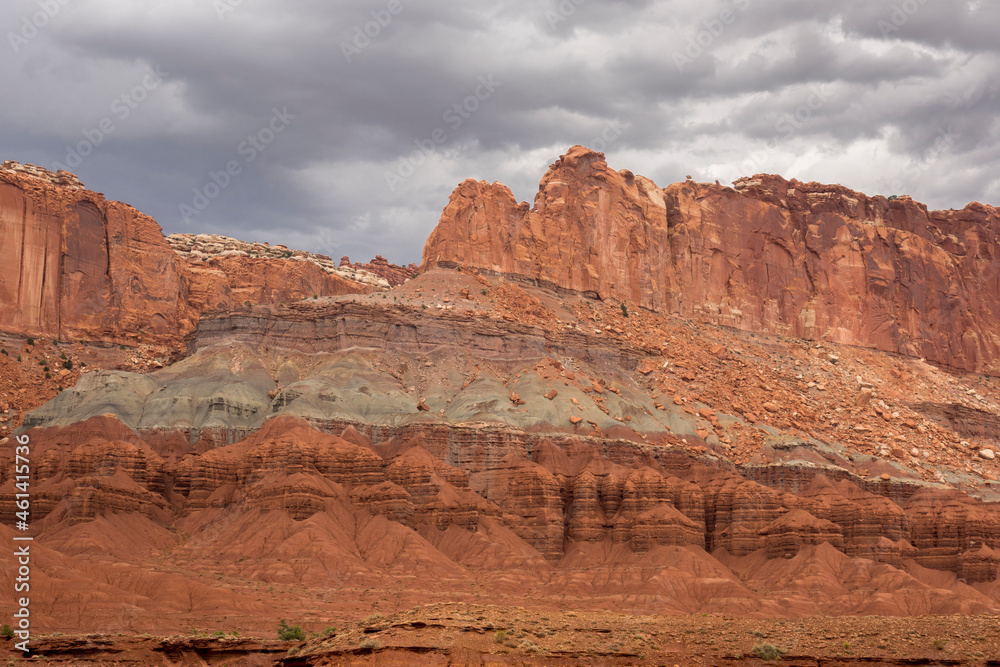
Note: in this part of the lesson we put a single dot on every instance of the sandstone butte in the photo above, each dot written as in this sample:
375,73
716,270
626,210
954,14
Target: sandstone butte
819,262
75,266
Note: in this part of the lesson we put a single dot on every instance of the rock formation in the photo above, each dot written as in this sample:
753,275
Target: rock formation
74,266
815,261
380,266
561,514
502,435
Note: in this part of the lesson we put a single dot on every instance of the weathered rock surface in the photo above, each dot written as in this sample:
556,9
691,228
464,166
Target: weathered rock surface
786,535
75,266
226,273
815,261
380,266
600,520
469,437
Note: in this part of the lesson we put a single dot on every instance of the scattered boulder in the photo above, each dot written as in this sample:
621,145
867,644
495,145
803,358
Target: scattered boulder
647,366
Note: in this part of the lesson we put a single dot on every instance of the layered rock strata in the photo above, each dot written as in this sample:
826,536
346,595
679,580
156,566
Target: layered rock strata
770,255
561,497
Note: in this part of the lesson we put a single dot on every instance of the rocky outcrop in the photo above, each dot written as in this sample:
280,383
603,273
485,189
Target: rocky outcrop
74,266
786,535
771,255
226,273
945,525
61,178
380,266
967,421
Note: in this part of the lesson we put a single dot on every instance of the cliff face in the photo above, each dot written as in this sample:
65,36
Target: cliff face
76,266
770,255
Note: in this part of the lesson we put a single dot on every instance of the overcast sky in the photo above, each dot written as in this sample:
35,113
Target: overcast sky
345,124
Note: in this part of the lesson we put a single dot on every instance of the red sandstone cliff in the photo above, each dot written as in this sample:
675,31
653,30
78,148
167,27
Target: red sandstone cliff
74,266
802,259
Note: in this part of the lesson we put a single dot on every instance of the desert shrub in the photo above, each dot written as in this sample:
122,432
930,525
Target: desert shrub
624,309
6,632
371,642
766,651
530,646
501,636
939,644
68,364
290,633
31,341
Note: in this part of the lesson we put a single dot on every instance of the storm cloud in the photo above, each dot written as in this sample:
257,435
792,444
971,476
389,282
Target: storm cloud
342,127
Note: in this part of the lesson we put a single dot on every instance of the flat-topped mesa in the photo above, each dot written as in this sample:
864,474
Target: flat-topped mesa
769,254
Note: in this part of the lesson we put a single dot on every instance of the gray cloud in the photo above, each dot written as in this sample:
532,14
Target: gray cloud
852,91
